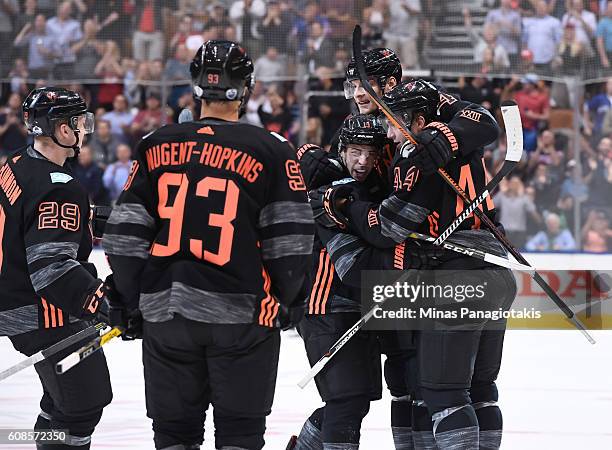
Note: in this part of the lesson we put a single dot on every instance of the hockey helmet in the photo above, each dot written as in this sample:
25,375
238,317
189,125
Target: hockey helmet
364,129
220,71
411,97
380,64
45,107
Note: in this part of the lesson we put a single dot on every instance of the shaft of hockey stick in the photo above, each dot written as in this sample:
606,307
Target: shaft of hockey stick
514,151
88,349
398,123
320,364
52,350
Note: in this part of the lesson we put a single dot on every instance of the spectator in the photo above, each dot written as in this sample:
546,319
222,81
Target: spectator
13,133
117,173
186,35
42,47
275,28
148,39
596,109
514,207
478,90
330,111
120,119
402,31
256,99
89,174
553,238
341,16
546,188
246,16
18,75
270,65
67,32
217,17
599,176
103,144
8,9
27,16
547,153
320,49
177,70
584,21
604,37
134,88
301,28
486,40
87,51
541,35
111,20
570,53
596,232
279,119
149,119
110,71
508,24
534,106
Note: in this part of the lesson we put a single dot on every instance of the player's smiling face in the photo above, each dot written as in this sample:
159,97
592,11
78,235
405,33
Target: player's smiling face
359,160
362,98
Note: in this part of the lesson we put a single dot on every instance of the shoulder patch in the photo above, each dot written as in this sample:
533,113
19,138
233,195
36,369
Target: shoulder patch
16,158
278,136
59,177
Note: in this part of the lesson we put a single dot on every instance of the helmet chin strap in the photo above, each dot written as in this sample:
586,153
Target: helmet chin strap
76,148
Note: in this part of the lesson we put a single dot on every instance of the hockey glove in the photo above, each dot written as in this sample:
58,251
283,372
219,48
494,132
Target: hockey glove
99,216
290,316
120,315
422,257
328,203
436,147
318,168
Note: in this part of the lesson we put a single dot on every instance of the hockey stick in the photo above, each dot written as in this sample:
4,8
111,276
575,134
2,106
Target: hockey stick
398,123
76,357
514,151
50,351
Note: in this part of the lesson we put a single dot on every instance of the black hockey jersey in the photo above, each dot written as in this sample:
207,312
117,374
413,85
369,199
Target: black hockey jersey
213,224
44,233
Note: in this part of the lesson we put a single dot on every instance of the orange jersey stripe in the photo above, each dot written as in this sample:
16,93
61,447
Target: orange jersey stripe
330,280
317,308
53,320
315,286
60,317
46,311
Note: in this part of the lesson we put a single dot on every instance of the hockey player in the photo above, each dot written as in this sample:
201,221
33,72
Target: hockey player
354,379
457,370
49,291
211,239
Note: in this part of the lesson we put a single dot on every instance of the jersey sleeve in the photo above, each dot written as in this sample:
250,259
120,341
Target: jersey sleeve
130,231
54,227
473,126
286,227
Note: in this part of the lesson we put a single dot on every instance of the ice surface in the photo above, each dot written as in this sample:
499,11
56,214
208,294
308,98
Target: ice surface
555,393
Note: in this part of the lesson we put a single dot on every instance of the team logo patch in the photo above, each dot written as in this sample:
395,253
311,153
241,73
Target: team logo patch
59,177
51,96
231,94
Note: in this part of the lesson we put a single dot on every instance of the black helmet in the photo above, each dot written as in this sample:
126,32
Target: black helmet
45,107
365,129
380,63
413,96
220,71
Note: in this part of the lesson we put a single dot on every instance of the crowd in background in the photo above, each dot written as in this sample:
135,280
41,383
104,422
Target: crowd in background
130,60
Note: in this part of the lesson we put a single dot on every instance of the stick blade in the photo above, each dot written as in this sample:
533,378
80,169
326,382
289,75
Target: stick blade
514,131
